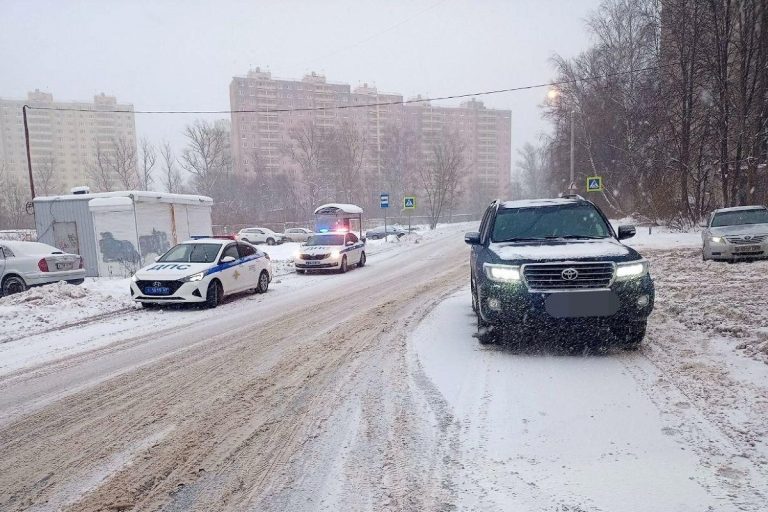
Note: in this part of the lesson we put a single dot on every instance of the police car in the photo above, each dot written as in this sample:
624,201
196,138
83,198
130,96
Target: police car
202,271
333,250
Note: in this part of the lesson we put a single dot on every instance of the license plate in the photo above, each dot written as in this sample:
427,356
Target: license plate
582,304
311,262
747,248
63,266
157,290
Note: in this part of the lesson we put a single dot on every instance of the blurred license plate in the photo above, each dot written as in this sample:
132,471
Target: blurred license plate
63,266
747,248
582,304
157,290
311,262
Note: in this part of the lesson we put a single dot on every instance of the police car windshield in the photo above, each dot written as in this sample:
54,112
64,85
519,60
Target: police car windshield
191,253
740,217
326,240
549,222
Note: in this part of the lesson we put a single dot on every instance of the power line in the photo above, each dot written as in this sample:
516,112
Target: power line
365,105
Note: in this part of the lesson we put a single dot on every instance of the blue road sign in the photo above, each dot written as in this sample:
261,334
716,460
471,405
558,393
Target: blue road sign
384,200
595,184
409,202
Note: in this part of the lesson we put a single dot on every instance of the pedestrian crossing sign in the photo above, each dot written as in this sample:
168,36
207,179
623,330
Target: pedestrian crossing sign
409,202
595,184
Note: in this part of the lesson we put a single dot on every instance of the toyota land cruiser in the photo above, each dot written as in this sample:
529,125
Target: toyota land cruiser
557,265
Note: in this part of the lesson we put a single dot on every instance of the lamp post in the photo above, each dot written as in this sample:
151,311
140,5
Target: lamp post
553,94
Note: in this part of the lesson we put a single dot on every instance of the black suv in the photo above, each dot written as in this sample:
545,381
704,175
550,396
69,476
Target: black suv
557,265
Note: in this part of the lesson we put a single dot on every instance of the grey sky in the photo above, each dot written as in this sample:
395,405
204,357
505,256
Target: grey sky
182,55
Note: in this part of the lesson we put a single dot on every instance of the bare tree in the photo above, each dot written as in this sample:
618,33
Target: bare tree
347,157
440,174
171,177
308,146
207,156
148,158
99,171
13,214
123,163
399,158
44,173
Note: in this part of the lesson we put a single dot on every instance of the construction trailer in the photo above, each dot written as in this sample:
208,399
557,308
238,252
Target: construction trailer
117,233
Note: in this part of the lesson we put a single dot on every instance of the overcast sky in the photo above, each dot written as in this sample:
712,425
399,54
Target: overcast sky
175,55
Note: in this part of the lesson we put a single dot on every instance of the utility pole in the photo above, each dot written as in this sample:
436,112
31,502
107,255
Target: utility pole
572,186
29,157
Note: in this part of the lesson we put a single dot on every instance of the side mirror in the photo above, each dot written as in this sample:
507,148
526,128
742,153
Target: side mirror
472,238
157,258
350,244
227,259
626,232
704,225
363,239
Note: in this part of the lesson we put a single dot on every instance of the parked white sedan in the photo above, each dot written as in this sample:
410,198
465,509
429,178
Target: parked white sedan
25,264
202,271
737,233
259,235
298,234
330,251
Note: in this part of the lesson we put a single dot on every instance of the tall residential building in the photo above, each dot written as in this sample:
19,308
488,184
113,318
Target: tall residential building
263,136
62,142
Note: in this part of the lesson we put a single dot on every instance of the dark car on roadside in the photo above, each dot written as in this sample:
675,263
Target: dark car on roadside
557,267
379,232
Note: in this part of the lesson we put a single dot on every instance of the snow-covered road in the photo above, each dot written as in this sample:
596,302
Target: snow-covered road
366,391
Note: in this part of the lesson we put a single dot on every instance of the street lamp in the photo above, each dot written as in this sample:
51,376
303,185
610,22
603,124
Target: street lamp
553,95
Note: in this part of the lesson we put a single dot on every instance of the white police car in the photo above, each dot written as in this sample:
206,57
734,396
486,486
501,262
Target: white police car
336,250
202,271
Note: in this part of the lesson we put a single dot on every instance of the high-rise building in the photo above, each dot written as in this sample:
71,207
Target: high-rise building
62,142
263,136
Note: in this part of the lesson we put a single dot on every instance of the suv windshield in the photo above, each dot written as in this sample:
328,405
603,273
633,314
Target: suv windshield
541,223
326,240
191,253
739,217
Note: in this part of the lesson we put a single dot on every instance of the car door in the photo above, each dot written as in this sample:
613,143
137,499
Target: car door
3,252
355,250
230,273
250,269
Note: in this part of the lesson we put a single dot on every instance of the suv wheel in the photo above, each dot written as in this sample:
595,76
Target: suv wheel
270,241
631,335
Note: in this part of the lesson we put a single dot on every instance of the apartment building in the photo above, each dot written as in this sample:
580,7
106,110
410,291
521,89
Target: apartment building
62,142
262,136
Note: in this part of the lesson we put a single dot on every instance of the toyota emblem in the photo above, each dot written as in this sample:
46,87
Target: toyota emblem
748,237
569,274
157,284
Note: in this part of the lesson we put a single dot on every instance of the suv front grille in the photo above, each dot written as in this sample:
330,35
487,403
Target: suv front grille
314,256
547,276
747,239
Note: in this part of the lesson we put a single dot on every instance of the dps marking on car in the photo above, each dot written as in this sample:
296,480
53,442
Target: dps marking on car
202,271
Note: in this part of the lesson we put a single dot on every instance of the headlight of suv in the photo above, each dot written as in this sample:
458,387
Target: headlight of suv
717,239
193,278
632,270
502,273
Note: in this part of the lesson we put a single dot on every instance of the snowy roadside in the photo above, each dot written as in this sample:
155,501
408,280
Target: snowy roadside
55,321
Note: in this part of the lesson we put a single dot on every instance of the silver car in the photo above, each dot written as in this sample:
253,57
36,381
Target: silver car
739,233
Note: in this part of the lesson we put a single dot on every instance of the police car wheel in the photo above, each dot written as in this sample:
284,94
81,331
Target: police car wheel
343,267
213,296
263,282
361,263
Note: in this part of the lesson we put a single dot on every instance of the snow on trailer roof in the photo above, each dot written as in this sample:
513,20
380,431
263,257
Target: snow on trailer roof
336,208
135,195
532,203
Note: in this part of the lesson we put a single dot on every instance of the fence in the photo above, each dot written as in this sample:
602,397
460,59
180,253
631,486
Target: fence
19,235
368,223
